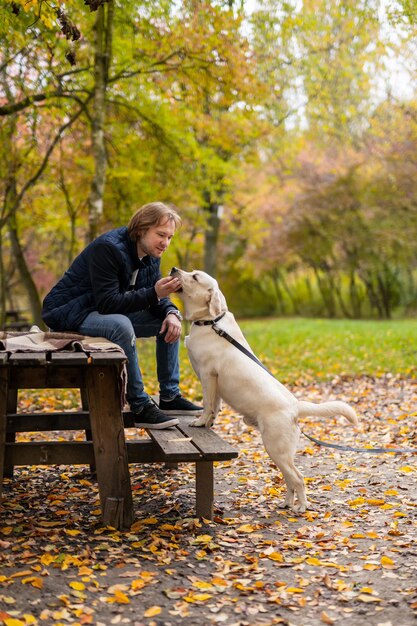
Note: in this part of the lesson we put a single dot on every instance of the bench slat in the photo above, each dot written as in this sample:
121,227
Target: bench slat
32,422
107,358
27,358
175,445
49,453
207,441
68,358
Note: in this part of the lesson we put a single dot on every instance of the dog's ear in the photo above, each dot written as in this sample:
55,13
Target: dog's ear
217,303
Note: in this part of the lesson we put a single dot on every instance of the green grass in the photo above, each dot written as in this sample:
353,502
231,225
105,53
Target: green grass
318,348
315,349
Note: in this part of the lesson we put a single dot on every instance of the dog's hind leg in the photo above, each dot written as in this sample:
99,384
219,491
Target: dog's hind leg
283,457
295,486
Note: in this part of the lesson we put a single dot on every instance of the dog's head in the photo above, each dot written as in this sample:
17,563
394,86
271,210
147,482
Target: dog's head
200,293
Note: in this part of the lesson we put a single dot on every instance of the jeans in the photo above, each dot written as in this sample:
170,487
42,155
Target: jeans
123,330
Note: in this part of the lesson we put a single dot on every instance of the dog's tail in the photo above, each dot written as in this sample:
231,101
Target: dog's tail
327,409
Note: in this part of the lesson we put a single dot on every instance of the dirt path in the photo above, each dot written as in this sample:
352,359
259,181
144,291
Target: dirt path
351,559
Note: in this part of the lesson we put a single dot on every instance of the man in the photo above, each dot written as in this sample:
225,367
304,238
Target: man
114,289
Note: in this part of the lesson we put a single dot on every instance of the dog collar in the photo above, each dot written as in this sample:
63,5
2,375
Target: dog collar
209,322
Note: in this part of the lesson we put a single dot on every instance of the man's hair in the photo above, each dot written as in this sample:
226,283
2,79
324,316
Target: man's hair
151,214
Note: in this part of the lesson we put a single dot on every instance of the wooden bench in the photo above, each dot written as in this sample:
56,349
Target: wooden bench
98,377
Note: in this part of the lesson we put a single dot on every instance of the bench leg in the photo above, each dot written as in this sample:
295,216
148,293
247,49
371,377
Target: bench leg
110,450
3,420
10,437
88,433
204,475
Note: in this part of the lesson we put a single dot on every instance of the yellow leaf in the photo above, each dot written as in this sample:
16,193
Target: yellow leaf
35,581
137,584
363,597
357,501
375,501
10,621
326,619
76,585
120,597
201,584
202,597
294,590
387,562
152,611
47,559
372,534
276,556
247,528
72,533
406,469
26,572
310,515
219,582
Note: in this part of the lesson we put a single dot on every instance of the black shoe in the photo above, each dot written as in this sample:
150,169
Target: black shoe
179,406
151,417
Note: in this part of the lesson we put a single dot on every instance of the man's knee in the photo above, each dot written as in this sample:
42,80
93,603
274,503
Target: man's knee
122,329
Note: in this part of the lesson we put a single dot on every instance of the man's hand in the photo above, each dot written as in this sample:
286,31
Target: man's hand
171,326
167,285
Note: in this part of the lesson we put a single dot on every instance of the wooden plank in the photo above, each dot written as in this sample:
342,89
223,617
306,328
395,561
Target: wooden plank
204,475
68,358
3,414
64,377
27,358
10,436
33,422
174,445
207,441
50,453
107,358
144,451
110,451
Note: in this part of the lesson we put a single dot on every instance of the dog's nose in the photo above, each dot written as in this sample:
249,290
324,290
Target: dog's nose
173,271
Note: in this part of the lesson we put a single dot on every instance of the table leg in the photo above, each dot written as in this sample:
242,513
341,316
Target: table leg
3,419
109,443
10,437
204,474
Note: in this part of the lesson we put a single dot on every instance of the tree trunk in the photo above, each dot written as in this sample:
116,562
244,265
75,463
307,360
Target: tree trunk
25,274
2,283
103,29
211,238
355,298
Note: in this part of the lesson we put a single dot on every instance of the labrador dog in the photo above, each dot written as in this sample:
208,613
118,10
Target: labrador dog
227,373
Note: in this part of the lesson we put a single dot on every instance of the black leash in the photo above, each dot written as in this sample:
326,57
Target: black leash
229,338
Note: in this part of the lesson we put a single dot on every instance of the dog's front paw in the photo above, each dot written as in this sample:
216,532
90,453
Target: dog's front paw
203,420
199,422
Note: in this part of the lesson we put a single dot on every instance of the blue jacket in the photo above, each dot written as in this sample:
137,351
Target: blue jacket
99,280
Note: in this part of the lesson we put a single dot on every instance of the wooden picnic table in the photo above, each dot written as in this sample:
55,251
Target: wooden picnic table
98,376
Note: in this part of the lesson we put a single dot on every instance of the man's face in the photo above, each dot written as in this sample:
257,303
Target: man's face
156,239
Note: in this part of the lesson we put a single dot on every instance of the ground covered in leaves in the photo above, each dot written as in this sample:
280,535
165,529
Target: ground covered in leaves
351,559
